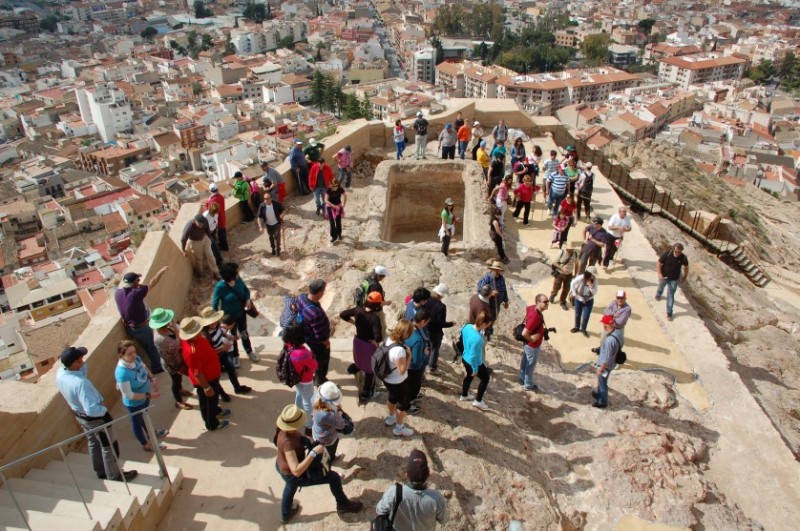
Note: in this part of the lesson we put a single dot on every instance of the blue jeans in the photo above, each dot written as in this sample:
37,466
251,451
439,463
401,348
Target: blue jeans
144,335
345,172
602,389
582,312
462,149
530,356
672,287
554,202
319,197
293,483
401,146
304,395
137,422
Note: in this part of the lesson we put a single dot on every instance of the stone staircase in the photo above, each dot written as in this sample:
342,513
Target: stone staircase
50,499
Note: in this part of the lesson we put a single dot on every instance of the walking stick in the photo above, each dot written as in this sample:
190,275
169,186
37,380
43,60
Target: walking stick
283,236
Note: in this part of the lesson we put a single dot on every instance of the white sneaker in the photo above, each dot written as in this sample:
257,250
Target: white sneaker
403,431
390,420
480,404
466,398
254,357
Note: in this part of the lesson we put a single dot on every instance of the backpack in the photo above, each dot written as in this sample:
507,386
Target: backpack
620,357
361,292
380,361
285,369
518,333
289,313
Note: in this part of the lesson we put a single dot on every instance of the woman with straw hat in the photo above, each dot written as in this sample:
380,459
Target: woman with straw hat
203,367
169,348
293,462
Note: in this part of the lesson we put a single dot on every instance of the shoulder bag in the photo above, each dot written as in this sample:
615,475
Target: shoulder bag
385,522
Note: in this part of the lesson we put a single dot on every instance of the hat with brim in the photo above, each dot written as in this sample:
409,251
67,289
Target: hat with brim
160,318
449,201
313,142
72,354
292,418
330,393
497,266
441,289
208,316
190,328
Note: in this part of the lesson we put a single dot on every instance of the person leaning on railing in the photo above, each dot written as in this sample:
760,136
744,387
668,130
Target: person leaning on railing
86,403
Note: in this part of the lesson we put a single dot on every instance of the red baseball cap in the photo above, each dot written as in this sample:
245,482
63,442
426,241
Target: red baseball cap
607,319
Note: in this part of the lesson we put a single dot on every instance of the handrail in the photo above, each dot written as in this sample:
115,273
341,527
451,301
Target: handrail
151,433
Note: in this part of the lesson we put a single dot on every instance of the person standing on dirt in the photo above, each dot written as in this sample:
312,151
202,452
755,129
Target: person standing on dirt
499,294
299,166
500,132
369,334
533,333
420,136
620,310
563,269
318,327
496,234
222,230
438,314
670,265
475,139
618,225
420,507
585,188
607,361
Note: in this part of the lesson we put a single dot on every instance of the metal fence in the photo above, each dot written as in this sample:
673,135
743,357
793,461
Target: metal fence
151,433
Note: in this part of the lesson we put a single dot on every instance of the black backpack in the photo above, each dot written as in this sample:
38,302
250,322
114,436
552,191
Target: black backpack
285,369
380,360
620,357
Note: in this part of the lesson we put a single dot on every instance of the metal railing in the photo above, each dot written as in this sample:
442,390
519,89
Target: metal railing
151,434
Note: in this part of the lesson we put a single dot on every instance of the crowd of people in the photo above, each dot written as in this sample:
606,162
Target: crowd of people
203,346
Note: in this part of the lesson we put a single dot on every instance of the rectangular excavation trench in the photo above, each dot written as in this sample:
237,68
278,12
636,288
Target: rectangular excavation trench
415,196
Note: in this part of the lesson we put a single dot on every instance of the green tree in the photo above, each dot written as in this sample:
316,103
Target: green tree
449,20
646,25
286,42
174,44
255,12
352,107
438,49
149,32
318,90
230,49
206,42
366,109
200,10
197,88
49,23
178,26
595,48
762,71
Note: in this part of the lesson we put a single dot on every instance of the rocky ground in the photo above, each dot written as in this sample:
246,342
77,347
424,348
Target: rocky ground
547,459
760,335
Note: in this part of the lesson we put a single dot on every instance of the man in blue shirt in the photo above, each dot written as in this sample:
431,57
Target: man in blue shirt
297,161
86,403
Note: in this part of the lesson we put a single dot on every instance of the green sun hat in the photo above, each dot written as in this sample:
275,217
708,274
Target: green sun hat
160,318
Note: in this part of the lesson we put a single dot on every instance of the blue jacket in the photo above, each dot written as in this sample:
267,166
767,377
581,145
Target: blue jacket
473,346
417,343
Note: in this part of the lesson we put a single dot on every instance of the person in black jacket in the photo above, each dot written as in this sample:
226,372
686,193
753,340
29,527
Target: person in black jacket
438,312
270,216
369,334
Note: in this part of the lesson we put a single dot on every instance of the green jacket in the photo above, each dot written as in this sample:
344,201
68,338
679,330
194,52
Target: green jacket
241,190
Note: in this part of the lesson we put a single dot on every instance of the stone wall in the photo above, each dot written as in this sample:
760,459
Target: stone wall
35,416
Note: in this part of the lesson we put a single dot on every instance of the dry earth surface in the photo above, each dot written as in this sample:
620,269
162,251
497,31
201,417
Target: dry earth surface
547,459
759,332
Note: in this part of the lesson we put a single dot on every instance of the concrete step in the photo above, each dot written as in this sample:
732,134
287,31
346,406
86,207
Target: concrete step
128,505
58,473
148,474
108,518
10,519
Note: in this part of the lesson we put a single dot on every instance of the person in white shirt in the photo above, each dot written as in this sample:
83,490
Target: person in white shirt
212,217
618,225
269,217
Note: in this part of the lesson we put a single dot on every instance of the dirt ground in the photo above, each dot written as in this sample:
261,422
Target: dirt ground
547,459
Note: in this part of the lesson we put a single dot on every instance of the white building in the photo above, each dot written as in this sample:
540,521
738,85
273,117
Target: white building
105,106
223,129
423,66
214,161
688,70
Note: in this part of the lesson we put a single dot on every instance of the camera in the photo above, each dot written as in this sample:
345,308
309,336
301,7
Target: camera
548,331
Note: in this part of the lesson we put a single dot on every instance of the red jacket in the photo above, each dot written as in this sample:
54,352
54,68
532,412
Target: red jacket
524,193
219,200
327,174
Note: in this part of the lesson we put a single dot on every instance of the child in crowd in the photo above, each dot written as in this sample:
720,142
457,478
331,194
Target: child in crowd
560,223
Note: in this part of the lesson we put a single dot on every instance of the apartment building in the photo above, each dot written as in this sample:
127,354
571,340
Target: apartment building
550,92
450,76
105,105
191,133
423,65
698,69
214,162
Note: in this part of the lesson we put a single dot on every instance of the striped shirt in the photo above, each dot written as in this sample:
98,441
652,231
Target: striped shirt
558,183
550,166
317,325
